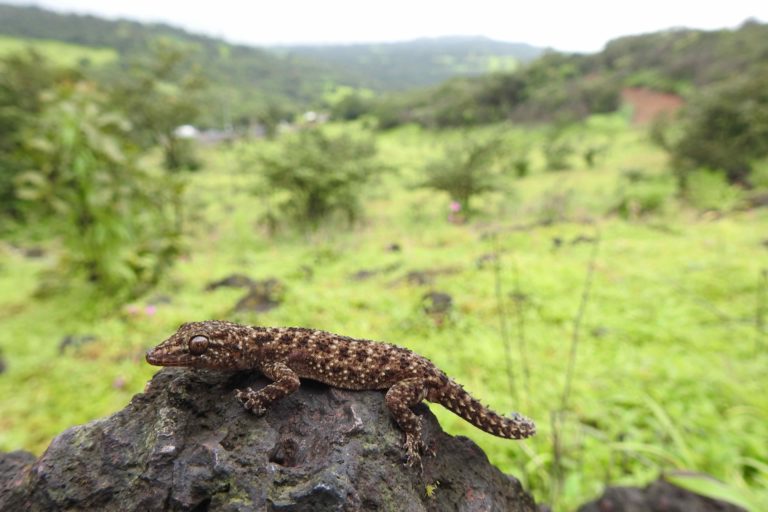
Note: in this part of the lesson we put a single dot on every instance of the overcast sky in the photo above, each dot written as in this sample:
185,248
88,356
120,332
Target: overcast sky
574,25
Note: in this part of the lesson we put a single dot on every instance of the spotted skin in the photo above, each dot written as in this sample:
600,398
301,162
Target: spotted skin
286,354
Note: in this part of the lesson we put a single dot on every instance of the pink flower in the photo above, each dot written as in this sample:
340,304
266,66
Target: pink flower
455,206
150,310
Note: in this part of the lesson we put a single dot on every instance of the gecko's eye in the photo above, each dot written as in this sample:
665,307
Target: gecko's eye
197,345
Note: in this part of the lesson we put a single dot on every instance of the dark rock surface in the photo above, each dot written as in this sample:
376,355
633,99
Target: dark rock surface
187,444
660,496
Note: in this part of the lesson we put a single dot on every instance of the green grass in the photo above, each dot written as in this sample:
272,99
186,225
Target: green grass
670,371
63,54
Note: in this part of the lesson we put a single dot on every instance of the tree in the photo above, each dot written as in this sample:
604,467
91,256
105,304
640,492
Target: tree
113,215
23,78
321,175
161,91
725,128
465,170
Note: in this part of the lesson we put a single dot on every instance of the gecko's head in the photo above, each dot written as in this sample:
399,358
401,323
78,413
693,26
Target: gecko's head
210,344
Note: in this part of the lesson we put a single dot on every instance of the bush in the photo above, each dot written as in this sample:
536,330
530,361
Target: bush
710,190
23,77
115,217
465,171
320,175
640,194
725,129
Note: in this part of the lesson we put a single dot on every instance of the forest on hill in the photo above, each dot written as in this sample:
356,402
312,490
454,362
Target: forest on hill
561,86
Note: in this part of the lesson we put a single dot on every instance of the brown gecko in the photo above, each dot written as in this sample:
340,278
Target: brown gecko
284,355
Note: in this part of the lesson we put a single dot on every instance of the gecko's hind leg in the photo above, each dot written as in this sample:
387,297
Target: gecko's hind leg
400,398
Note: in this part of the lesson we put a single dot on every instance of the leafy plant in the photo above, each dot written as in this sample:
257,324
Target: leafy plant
114,214
466,170
726,129
320,175
162,92
23,77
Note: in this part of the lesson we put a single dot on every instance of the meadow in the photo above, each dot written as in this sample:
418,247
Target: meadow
62,54
628,324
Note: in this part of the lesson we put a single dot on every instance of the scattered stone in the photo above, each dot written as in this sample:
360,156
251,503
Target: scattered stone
583,239
231,281
362,275
437,303
262,296
394,247
74,341
660,496
33,252
425,277
557,242
600,331
187,444
485,260
160,299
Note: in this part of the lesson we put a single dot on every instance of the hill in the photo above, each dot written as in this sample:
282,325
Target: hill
244,79
559,85
418,63
283,78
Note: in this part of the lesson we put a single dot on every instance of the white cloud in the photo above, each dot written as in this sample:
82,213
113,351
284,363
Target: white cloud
567,25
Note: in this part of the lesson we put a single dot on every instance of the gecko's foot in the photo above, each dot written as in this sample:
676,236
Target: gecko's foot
250,401
414,447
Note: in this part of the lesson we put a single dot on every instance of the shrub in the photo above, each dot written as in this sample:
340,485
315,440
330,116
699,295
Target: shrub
465,171
726,129
115,216
640,194
710,190
320,175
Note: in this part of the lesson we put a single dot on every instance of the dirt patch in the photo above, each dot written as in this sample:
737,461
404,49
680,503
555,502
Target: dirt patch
648,105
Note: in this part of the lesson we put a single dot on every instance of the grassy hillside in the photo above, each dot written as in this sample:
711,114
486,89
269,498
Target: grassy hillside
670,364
418,63
62,54
248,78
559,85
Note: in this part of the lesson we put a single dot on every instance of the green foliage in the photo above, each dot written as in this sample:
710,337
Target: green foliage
162,91
558,149
23,78
640,194
320,175
726,128
113,214
62,54
710,190
466,170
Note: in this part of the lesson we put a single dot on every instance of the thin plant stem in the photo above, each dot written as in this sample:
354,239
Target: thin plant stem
503,327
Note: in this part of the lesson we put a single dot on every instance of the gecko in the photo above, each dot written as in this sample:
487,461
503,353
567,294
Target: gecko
285,355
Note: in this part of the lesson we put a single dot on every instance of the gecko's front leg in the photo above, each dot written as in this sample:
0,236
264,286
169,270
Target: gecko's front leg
285,382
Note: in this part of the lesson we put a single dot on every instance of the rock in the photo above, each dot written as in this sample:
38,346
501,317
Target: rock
187,444
660,496
75,341
262,296
427,276
437,303
367,273
231,281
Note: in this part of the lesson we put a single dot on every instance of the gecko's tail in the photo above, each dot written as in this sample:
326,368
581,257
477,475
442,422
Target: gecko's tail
454,398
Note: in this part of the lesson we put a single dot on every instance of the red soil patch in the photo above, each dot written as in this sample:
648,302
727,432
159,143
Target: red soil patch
648,105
